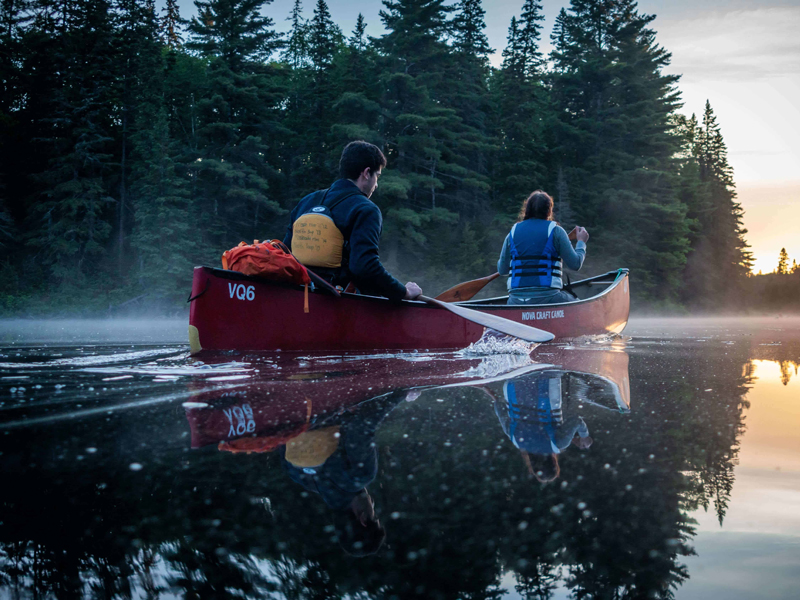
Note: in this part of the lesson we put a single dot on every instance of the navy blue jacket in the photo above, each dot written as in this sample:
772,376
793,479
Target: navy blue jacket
354,463
360,221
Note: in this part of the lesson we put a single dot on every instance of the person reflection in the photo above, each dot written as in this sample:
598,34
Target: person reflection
338,460
532,416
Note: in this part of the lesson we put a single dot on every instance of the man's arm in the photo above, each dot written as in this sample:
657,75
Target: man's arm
573,259
369,274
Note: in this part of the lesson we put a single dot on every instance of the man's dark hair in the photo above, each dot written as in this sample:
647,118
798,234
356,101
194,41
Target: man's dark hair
360,155
355,538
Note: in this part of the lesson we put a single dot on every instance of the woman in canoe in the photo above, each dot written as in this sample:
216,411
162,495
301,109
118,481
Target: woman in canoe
535,251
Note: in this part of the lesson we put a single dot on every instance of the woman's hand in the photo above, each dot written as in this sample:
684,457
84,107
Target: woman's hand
580,234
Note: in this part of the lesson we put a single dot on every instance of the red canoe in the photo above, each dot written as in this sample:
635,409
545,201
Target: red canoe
231,311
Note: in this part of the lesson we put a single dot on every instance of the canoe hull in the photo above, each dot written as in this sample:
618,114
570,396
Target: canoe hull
230,311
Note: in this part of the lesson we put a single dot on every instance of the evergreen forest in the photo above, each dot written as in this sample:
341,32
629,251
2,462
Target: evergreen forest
137,144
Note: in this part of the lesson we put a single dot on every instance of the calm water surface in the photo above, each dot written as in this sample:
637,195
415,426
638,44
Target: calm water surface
663,463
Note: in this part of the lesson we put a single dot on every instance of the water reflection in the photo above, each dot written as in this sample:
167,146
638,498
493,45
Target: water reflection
380,477
338,459
534,417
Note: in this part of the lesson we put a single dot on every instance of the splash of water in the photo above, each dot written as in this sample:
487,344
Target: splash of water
493,343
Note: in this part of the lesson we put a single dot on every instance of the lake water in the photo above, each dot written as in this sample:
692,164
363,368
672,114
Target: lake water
662,463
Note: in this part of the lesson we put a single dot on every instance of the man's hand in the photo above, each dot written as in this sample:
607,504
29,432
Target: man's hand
580,234
412,291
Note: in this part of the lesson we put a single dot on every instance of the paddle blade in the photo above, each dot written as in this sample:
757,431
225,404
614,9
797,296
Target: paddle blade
523,332
509,327
466,290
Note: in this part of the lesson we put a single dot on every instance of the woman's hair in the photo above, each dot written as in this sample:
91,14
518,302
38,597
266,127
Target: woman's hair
542,466
539,205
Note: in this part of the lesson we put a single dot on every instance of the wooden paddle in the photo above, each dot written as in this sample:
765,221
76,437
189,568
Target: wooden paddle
466,290
523,332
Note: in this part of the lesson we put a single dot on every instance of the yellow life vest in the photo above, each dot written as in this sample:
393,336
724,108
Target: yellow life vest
316,240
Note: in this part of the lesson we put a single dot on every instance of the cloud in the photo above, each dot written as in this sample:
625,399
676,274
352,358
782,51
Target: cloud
741,45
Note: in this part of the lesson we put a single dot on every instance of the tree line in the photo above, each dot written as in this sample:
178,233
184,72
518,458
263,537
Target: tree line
136,144
778,291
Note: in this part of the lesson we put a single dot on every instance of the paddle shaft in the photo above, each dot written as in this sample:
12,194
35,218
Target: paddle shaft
507,326
465,291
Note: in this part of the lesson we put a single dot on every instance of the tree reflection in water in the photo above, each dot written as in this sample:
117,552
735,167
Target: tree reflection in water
463,517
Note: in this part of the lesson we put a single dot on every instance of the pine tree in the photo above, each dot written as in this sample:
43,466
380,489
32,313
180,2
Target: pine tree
295,52
468,95
512,51
468,25
720,259
421,129
414,42
324,37
137,41
559,39
522,115
171,25
356,110
417,127
71,211
236,118
615,141
358,40
783,263
314,89
15,18
530,23
159,185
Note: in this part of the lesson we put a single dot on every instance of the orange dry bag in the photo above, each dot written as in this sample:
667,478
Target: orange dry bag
267,259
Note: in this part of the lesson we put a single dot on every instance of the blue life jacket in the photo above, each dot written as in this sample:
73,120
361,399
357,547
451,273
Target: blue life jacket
535,262
534,411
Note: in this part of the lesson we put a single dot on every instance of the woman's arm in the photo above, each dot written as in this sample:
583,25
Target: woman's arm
573,259
504,263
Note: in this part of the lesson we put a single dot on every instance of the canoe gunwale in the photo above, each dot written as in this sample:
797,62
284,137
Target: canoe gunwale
619,275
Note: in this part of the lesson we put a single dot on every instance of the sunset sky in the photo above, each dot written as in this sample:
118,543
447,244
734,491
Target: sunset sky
743,56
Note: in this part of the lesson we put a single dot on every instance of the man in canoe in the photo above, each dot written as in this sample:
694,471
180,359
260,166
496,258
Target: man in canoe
336,231
535,251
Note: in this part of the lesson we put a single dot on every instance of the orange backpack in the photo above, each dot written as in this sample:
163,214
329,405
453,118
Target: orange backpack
271,260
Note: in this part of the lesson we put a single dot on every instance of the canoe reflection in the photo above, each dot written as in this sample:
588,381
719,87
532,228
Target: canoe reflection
323,423
267,412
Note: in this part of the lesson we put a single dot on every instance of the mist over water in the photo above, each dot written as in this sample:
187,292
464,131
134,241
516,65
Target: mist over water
157,330
139,467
